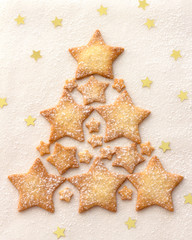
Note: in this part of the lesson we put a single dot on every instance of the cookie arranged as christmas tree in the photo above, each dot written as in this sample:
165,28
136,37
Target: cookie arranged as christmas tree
99,186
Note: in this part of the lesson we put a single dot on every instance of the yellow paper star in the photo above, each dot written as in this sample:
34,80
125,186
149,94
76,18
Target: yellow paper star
30,120
60,232
19,20
3,102
57,22
143,4
183,96
146,82
176,54
165,146
36,55
102,10
188,198
150,23
130,223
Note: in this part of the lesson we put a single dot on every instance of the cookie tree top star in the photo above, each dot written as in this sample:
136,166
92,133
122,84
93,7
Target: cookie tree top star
95,58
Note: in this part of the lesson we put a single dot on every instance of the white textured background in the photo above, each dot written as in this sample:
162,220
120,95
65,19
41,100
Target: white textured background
34,86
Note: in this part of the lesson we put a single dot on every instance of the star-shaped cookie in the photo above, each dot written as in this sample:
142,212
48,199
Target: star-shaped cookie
43,148
106,153
36,187
127,157
66,118
122,118
85,156
93,125
93,91
146,148
118,84
70,84
63,158
66,194
95,140
154,185
95,58
97,187
125,193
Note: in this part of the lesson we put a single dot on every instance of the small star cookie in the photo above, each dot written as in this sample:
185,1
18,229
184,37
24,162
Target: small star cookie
66,118
43,148
118,84
154,185
95,140
85,156
93,125
127,157
106,153
93,91
146,148
97,187
36,187
70,84
125,193
66,194
122,118
63,158
95,58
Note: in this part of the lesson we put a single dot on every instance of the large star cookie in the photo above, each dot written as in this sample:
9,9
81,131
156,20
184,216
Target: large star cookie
97,187
66,118
36,187
63,158
122,118
128,157
95,58
154,185
93,91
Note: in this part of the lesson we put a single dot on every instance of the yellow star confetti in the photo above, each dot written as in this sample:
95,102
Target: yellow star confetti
146,82
60,232
30,120
19,20
36,55
165,146
102,10
143,4
150,23
183,96
130,223
57,22
3,102
188,198
176,54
